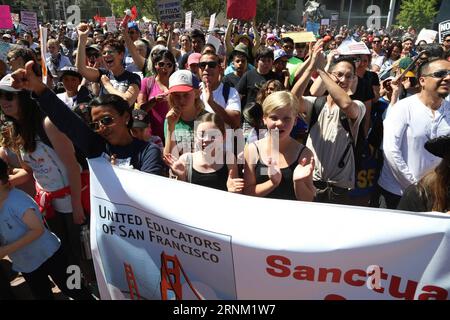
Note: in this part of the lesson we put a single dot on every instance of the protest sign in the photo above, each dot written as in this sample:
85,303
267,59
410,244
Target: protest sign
325,22
212,21
197,24
188,20
427,35
300,37
242,10
351,47
169,10
5,17
29,18
444,29
208,245
111,24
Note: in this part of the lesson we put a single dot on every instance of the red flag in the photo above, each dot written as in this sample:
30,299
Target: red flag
242,10
134,13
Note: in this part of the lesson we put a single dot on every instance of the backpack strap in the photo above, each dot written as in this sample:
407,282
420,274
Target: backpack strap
318,105
226,91
352,143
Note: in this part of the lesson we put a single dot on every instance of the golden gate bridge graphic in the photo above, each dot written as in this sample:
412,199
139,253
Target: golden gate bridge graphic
171,287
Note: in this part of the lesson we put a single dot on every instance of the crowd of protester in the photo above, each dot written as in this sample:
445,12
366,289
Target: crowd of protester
259,114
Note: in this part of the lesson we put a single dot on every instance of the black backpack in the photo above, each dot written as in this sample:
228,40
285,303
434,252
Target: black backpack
357,146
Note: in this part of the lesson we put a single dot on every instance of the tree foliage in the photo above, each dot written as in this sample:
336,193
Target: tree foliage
417,13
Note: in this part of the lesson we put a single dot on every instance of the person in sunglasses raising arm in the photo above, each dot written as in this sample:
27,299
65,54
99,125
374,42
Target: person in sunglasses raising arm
408,125
114,79
109,131
154,89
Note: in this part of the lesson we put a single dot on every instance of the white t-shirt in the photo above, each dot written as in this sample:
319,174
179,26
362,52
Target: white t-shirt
69,101
234,101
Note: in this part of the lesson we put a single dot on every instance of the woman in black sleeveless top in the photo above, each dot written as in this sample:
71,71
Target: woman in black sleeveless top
278,166
210,166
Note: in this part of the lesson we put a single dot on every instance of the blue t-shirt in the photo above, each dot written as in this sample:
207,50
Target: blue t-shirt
12,228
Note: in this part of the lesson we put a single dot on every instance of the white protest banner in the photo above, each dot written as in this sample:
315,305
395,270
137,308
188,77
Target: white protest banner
157,238
29,18
325,22
444,29
188,20
427,35
212,21
350,47
111,24
169,10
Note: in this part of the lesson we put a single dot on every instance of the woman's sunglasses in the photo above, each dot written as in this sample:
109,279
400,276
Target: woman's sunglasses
9,96
164,64
105,121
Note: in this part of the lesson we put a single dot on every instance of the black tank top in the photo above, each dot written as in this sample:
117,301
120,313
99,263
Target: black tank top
216,180
285,190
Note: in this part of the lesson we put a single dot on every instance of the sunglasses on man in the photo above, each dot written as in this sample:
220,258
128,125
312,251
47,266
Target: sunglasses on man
210,64
438,74
105,121
8,96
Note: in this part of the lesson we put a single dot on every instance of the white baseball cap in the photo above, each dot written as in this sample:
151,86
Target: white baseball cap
183,81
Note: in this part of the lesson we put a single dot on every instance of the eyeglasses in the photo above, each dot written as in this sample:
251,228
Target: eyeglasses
210,64
96,55
376,41
105,121
438,74
164,64
108,52
9,96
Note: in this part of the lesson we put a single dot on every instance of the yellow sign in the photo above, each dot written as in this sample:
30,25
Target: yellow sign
299,37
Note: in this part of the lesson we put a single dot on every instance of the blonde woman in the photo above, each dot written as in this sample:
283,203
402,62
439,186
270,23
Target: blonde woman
278,166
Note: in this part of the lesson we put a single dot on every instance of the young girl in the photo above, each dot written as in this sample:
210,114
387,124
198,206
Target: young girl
34,250
278,166
210,165
49,156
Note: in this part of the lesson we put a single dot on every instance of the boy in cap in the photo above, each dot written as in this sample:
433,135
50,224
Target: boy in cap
73,94
141,128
